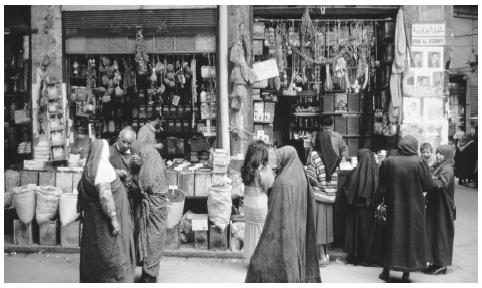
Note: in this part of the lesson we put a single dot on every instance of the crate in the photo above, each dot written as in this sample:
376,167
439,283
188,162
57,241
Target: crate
28,177
172,240
200,228
22,234
46,178
218,239
70,235
49,233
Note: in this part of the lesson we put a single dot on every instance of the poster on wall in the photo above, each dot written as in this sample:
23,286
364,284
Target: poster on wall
425,76
411,110
433,133
428,34
432,109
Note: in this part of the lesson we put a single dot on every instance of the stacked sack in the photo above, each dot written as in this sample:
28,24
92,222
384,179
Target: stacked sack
41,202
47,203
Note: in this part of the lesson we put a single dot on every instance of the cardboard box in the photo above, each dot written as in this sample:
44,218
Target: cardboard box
47,178
70,235
218,239
49,233
22,234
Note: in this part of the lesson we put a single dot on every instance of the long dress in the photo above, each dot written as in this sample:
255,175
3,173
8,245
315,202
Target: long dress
103,256
151,213
286,250
363,234
403,179
255,211
466,158
441,211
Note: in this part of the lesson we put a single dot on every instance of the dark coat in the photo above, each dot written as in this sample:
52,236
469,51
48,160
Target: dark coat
441,215
287,251
403,179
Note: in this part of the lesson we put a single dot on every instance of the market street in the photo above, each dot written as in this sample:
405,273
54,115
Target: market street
174,269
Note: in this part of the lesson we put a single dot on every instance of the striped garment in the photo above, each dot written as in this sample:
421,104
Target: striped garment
255,204
324,191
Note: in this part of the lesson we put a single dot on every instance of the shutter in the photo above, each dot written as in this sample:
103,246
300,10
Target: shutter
153,22
474,110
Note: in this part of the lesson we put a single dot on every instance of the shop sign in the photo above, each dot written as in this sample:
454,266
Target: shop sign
431,34
265,69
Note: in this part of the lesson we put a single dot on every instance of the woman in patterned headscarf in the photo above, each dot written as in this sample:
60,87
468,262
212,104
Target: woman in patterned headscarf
151,214
441,212
107,252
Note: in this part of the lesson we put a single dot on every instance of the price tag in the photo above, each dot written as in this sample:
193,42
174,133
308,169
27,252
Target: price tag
175,100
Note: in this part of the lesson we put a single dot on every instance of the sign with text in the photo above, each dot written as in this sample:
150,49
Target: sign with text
428,34
265,69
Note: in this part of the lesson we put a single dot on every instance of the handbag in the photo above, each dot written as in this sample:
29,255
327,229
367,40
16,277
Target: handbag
381,213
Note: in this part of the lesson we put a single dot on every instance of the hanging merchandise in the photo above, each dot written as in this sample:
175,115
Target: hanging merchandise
141,57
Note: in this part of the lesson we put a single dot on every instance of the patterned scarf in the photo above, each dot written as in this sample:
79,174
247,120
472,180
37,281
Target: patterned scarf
152,178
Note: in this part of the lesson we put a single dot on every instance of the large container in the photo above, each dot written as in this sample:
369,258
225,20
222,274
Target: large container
202,181
172,177
12,180
46,178
28,177
186,182
68,208
176,207
64,181
47,203
25,202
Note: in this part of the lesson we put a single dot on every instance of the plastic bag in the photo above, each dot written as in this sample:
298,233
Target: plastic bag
47,203
219,205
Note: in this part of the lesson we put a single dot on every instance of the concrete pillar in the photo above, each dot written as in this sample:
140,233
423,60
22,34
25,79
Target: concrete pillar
46,22
222,122
240,22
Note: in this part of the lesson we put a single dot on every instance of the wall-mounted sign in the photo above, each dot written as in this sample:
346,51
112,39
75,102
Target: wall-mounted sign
431,34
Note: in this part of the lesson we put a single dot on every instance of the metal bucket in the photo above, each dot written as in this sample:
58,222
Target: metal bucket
186,182
202,181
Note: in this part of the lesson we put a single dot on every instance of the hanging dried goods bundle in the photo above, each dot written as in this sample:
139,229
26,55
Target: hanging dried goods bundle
141,54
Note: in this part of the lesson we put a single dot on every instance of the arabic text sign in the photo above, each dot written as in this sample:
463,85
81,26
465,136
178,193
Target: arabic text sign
432,34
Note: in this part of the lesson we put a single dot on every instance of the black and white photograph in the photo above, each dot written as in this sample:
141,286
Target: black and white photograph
199,143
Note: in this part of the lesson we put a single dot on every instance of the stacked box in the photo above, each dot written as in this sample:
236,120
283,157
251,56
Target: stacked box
70,235
28,177
218,239
49,233
22,234
46,178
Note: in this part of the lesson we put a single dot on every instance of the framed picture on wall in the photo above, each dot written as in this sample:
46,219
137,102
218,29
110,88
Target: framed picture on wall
411,110
417,59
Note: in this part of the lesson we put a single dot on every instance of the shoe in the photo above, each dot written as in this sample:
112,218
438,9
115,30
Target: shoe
406,277
440,270
429,269
384,276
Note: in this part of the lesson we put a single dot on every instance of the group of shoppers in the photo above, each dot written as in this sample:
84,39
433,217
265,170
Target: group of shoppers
294,218
123,203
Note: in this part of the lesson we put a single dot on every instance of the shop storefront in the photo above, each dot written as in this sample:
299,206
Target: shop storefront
288,67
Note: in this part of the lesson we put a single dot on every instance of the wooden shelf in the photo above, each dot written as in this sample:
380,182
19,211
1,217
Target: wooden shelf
262,122
339,113
306,114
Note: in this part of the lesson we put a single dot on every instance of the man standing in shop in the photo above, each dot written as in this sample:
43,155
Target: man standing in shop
126,162
337,141
147,133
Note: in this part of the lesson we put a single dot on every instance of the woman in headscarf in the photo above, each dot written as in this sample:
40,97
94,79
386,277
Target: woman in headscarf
363,235
466,158
322,175
441,211
107,252
286,250
257,178
403,179
151,214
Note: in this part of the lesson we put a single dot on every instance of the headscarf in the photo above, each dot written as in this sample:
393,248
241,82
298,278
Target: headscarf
465,140
408,146
327,154
97,168
286,250
362,183
152,177
449,154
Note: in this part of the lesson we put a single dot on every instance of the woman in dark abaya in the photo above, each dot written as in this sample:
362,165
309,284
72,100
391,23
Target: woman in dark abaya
403,179
441,212
466,158
107,252
286,250
363,234
151,215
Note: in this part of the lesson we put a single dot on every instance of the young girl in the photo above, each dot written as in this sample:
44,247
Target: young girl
258,178
441,211
426,152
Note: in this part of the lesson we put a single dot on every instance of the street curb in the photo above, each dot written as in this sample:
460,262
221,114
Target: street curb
184,252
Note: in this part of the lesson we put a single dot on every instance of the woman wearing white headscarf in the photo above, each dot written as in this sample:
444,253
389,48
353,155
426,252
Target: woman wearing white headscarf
107,245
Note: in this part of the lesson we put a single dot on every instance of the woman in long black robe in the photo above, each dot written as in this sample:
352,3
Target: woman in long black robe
441,212
466,159
107,252
363,234
403,179
286,250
